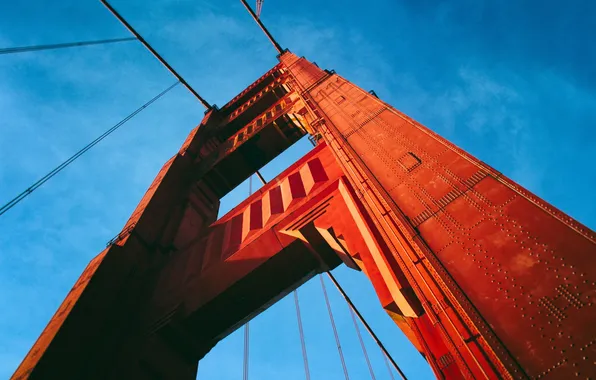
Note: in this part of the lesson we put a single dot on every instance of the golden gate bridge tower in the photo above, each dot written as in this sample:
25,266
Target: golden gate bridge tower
486,280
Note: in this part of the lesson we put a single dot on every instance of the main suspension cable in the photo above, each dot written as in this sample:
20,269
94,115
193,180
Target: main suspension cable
366,325
24,49
302,341
156,54
341,354
263,28
370,369
78,154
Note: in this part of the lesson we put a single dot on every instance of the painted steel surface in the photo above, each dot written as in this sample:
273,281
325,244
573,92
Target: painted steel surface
506,280
484,278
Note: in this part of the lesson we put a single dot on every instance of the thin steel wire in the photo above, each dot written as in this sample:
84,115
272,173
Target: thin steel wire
263,28
261,178
247,326
388,366
367,326
302,340
155,54
246,347
370,369
78,154
341,354
24,49
259,8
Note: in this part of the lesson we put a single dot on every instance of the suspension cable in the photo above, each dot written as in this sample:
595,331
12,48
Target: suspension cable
263,28
24,49
78,154
246,347
341,354
370,369
302,341
156,54
296,301
246,325
366,325
261,177
388,366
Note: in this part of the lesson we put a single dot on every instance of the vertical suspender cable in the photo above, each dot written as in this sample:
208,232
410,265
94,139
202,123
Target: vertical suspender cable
366,325
247,325
296,301
370,369
246,347
302,341
341,354
388,366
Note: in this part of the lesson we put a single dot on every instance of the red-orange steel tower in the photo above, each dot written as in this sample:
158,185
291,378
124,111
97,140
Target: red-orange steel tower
485,279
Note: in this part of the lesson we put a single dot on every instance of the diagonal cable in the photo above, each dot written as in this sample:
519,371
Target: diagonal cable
366,326
78,154
302,341
370,369
341,354
388,367
24,49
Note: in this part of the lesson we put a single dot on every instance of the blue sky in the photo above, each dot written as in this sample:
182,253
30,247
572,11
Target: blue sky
514,84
